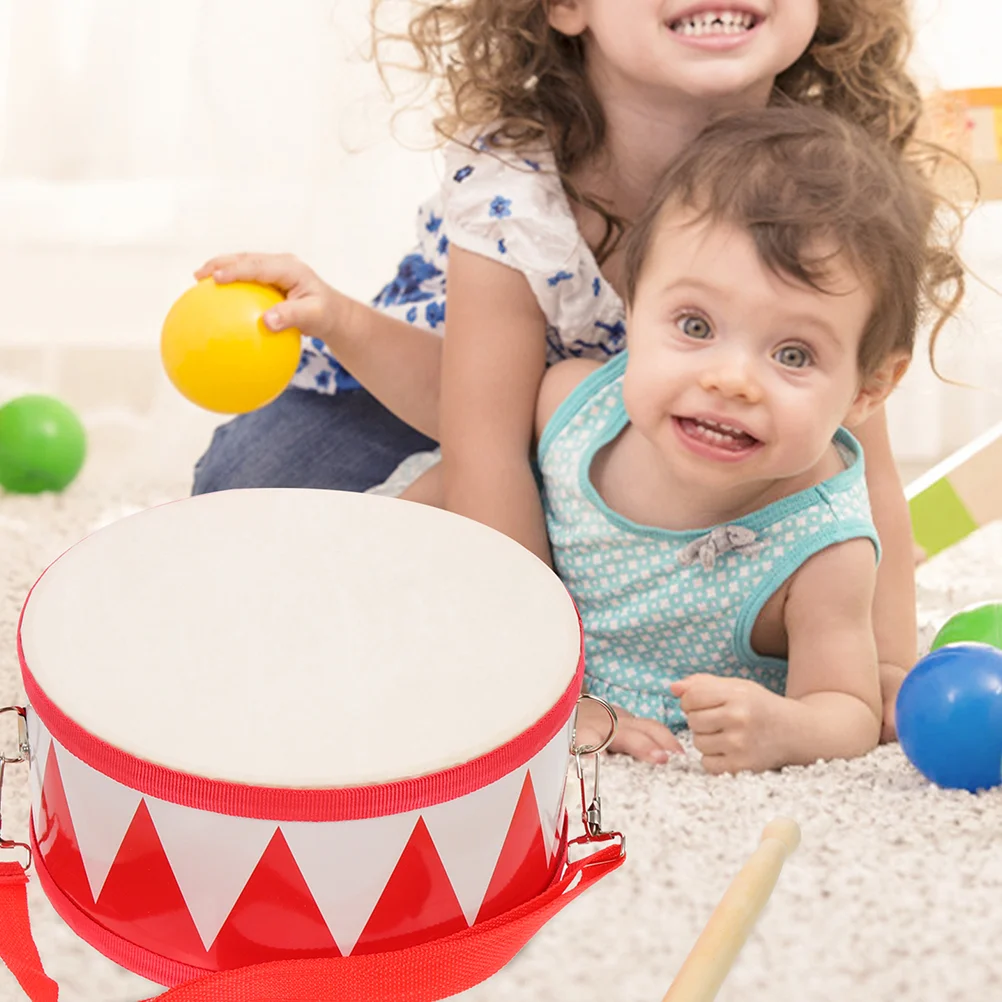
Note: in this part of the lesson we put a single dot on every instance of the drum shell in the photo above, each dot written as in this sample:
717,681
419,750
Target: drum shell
172,891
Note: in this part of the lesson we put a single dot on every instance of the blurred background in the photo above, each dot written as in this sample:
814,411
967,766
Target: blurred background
139,137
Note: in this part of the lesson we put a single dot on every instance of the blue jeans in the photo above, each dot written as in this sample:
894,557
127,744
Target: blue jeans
347,441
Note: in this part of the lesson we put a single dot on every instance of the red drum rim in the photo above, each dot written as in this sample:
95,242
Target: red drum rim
313,804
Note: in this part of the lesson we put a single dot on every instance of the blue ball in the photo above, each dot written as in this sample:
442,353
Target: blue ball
949,716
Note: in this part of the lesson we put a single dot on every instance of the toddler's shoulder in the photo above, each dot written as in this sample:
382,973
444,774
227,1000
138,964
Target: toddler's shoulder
558,383
839,577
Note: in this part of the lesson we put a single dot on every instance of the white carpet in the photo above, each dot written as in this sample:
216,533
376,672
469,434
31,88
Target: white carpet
894,894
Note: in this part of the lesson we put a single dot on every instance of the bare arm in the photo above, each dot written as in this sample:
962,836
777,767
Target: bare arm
894,611
831,708
833,705
492,366
399,364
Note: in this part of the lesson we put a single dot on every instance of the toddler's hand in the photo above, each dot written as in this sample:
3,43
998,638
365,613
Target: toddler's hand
310,305
731,720
646,740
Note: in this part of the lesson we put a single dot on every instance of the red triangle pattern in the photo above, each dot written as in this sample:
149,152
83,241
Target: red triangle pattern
274,918
57,840
522,871
141,900
417,904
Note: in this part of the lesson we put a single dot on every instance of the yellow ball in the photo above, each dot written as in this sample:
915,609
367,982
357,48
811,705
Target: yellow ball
219,354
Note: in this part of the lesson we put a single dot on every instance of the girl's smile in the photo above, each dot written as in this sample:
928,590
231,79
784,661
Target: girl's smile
715,29
657,52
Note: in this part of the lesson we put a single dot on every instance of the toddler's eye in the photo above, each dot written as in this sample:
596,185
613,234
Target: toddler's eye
793,356
694,326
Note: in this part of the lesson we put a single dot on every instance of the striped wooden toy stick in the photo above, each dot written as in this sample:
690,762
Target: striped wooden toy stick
958,495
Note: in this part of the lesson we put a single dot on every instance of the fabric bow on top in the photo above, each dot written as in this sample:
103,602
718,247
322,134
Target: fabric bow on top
722,539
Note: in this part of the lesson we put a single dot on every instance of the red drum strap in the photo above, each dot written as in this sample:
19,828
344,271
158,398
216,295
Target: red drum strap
17,948
425,973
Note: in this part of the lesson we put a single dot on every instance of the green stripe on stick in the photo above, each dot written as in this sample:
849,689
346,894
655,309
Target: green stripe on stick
939,517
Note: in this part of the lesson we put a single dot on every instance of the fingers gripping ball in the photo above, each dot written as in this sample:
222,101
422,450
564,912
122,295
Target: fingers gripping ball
218,352
42,445
949,716
978,624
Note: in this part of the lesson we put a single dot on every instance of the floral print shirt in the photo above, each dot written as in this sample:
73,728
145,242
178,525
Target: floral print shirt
510,208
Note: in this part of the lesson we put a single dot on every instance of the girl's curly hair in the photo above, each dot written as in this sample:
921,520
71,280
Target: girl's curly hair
498,63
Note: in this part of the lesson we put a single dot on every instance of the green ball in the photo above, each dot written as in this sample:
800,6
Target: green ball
980,624
42,445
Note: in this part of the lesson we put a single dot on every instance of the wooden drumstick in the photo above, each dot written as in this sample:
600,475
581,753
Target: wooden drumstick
703,972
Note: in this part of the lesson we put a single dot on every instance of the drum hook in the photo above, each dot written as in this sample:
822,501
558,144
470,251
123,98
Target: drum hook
591,809
23,752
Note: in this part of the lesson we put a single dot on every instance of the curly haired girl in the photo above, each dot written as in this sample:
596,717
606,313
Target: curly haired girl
558,116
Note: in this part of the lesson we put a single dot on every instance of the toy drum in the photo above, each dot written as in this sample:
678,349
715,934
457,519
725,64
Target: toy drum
284,724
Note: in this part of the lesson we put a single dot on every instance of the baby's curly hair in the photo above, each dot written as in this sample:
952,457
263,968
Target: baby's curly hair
499,63
809,187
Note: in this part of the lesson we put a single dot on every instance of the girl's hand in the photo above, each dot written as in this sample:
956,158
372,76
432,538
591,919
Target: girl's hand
311,305
645,740
732,722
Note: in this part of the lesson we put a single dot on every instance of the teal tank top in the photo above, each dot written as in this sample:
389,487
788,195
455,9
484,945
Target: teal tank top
658,605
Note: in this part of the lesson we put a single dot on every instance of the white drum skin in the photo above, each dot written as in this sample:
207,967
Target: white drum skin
270,724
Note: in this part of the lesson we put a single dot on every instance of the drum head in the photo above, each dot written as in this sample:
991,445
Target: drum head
301,638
